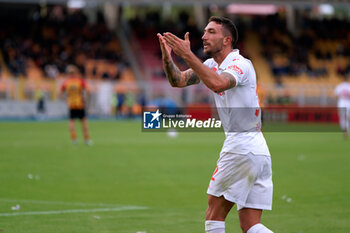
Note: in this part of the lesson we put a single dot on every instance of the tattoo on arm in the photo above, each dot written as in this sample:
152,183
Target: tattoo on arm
230,81
172,72
190,77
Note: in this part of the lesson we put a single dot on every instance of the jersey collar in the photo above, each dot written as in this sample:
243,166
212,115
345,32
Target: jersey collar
232,55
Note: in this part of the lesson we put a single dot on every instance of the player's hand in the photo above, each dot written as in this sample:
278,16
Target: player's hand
180,47
166,50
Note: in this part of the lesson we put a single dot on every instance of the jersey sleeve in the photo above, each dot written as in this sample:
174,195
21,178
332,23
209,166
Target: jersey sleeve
239,70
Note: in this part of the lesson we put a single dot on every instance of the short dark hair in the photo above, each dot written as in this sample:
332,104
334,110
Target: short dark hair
228,25
72,69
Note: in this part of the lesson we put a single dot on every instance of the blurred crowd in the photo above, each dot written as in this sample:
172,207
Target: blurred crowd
51,40
316,43
59,38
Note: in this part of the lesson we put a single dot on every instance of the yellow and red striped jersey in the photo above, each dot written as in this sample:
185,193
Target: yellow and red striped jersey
74,88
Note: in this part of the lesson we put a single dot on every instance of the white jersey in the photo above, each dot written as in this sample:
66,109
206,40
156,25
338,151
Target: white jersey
238,107
342,91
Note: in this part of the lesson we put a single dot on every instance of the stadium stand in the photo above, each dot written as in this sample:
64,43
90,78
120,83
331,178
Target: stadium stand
35,51
299,68
307,65
289,66
50,43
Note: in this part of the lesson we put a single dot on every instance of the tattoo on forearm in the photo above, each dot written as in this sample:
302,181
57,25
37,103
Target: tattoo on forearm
172,72
231,81
190,78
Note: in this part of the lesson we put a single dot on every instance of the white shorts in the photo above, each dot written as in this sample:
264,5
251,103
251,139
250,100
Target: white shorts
243,179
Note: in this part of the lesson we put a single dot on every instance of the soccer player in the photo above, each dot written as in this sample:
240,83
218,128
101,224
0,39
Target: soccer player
74,87
342,91
243,174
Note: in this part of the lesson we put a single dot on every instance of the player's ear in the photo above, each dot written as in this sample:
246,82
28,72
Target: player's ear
227,40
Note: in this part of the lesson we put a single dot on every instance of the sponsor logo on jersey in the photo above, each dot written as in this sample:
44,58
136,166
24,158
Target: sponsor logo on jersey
235,68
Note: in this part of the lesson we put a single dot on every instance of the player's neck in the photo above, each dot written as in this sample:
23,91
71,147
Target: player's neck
220,56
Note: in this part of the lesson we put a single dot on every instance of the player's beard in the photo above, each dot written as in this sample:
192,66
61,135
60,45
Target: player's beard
214,50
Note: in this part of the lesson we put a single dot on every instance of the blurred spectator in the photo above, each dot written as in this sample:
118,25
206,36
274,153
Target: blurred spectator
40,105
51,71
344,71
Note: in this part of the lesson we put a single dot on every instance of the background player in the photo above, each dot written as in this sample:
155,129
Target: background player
342,91
75,87
243,175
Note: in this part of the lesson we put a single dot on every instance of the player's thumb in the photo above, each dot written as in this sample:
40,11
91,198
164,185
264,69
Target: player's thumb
187,37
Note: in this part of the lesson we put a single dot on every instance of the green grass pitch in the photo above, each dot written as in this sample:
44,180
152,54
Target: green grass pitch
131,181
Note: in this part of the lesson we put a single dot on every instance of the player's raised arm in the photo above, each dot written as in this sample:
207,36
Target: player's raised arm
176,77
210,78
